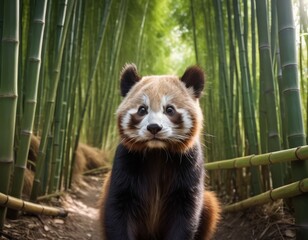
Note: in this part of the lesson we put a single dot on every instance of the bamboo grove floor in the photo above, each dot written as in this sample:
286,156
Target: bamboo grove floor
263,223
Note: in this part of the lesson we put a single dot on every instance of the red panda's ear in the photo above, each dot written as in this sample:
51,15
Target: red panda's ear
129,76
194,77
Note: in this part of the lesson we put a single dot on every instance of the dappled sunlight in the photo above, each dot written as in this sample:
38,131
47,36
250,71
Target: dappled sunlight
77,206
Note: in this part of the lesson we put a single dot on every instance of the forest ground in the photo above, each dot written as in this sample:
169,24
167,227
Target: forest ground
266,223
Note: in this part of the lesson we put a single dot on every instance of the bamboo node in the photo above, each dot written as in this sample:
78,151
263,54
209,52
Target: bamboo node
269,158
26,132
296,153
7,161
20,166
290,27
34,59
234,163
10,40
37,20
288,65
250,160
264,46
6,200
301,186
8,95
22,206
270,195
42,210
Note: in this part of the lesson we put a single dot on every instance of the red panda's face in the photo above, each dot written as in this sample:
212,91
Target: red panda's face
159,112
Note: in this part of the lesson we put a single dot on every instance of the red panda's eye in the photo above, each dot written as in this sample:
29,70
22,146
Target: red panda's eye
170,110
142,111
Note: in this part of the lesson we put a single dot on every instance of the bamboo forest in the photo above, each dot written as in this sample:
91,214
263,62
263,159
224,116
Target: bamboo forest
60,69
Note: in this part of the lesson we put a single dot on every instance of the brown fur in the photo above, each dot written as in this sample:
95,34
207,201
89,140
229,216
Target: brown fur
33,150
210,214
28,180
87,158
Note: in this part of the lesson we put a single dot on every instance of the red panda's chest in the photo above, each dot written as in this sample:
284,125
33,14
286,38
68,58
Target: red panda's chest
157,180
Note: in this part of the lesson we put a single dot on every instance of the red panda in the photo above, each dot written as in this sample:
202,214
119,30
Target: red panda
156,187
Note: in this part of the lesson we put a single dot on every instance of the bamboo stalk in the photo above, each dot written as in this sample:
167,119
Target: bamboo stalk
91,75
20,205
31,78
194,30
50,107
77,48
295,132
300,153
42,78
49,196
224,81
267,76
8,93
287,191
249,114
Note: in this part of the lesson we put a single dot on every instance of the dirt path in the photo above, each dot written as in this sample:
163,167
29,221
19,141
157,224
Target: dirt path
81,223
265,223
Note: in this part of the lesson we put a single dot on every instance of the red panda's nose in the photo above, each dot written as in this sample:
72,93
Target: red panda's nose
154,128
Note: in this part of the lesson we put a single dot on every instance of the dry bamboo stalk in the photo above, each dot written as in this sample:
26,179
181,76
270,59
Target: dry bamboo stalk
287,191
17,204
300,153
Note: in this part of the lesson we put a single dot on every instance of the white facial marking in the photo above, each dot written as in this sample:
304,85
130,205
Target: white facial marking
186,119
126,119
146,100
165,100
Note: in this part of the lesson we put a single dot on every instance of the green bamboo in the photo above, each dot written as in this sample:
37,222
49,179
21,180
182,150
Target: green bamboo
56,158
300,153
249,114
267,75
192,9
141,33
66,97
77,48
50,104
8,93
253,47
224,81
274,37
234,80
32,77
91,75
1,30
283,122
115,51
20,205
293,109
42,78
288,191
303,9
